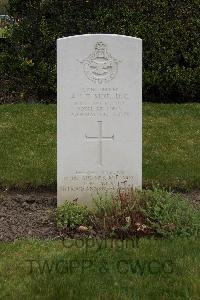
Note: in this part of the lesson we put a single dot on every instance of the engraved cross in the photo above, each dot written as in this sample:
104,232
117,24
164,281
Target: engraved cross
100,138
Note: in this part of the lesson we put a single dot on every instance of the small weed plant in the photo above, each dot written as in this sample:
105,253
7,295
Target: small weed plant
71,215
169,214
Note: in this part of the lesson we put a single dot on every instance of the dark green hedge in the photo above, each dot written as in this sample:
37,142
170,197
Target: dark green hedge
169,28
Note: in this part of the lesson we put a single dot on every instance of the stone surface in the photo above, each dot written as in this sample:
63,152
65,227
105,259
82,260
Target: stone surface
99,124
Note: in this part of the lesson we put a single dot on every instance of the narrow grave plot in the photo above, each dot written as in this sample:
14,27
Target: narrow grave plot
30,215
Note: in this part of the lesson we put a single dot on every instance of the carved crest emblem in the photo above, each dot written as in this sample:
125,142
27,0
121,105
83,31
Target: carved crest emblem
100,66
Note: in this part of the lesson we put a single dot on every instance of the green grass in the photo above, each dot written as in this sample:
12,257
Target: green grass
28,145
171,145
166,269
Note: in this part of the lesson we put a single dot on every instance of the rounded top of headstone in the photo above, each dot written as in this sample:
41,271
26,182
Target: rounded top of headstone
101,35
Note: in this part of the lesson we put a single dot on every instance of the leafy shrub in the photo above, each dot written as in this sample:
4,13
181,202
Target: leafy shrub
169,29
70,215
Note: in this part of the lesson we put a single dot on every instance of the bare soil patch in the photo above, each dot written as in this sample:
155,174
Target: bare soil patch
193,197
27,215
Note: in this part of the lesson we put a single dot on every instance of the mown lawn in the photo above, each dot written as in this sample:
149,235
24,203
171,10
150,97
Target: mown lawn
80,269
149,269
171,146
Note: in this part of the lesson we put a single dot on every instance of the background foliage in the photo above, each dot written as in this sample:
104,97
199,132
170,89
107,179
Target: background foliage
169,29
3,6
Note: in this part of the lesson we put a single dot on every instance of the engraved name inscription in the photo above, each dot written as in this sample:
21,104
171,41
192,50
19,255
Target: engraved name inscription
100,102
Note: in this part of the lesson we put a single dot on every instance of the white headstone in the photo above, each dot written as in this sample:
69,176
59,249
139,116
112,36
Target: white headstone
99,117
